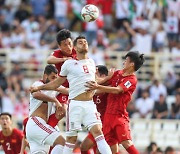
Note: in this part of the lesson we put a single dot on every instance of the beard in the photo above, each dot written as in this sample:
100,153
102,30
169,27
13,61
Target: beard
47,80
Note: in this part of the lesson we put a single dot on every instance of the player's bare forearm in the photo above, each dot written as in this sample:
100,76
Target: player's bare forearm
55,60
63,90
43,97
103,89
24,144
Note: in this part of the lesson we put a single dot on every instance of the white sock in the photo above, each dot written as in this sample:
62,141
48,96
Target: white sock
68,148
57,149
102,145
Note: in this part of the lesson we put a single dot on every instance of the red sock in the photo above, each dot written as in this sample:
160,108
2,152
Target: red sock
132,150
53,121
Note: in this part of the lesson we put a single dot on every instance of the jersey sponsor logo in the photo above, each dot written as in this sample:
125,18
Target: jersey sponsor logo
123,134
128,84
13,141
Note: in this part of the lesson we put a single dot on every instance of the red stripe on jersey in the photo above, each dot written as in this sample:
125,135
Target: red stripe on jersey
41,125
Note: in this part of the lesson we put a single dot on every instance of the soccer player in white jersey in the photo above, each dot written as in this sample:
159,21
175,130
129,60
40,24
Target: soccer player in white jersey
39,134
81,109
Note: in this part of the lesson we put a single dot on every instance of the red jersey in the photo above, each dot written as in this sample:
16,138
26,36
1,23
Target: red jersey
58,54
101,103
11,144
117,103
24,125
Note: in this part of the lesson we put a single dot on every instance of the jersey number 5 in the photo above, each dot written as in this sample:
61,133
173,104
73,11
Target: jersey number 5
85,68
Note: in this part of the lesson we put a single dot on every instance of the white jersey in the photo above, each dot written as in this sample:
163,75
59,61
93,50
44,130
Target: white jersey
35,103
78,72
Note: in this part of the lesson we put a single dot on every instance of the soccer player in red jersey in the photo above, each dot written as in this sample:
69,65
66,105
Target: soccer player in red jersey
10,138
121,87
101,103
59,56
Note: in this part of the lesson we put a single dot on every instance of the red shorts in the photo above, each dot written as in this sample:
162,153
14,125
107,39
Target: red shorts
116,129
62,98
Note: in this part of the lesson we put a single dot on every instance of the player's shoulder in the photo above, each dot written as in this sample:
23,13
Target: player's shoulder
17,131
38,83
57,53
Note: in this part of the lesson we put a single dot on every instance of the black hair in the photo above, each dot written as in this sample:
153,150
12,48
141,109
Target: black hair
136,58
6,113
49,69
102,70
77,38
169,149
63,35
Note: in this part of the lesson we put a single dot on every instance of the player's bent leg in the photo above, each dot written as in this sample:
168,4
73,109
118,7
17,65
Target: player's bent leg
58,145
102,145
70,144
130,148
115,149
87,143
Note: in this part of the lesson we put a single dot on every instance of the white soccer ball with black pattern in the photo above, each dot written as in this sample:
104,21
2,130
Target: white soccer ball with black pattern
89,13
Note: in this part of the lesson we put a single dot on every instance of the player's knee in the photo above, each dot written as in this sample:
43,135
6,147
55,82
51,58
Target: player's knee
60,140
71,139
96,130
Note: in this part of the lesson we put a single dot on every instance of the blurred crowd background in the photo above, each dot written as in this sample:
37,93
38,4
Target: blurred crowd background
147,26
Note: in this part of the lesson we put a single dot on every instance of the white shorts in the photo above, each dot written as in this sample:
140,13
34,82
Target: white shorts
81,112
40,135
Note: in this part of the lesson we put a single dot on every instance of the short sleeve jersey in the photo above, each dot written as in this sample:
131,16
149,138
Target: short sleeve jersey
117,103
78,72
101,102
11,144
58,54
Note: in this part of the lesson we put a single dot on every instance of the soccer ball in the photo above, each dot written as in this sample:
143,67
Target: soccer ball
89,13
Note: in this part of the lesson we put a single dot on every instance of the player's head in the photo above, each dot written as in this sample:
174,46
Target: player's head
50,73
81,44
5,120
64,41
101,71
133,61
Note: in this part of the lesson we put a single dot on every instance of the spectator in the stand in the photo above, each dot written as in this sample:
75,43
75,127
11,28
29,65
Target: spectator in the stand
175,108
61,11
172,28
15,78
107,9
77,5
131,109
142,40
170,150
160,110
152,148
176,48
4,26
121,12
39,7
22,13
3,79
156,89
121,42
169,82
144,105
160,39
177,85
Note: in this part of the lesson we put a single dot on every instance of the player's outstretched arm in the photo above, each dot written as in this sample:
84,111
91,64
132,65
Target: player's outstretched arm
24,144
63,90
103,89
53,85
54,60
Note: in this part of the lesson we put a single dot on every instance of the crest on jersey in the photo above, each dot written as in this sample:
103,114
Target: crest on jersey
128,84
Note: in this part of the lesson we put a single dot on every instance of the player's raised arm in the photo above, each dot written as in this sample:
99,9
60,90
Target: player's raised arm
54,60
49,86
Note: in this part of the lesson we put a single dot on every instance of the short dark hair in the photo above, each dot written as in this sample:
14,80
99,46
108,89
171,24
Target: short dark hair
63,35
6,113
136,58
169,149
102,70
49,69
77,38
